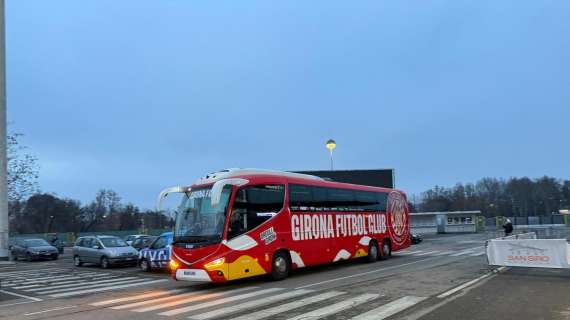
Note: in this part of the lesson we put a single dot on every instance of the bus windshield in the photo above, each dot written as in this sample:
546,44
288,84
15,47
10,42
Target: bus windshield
196,219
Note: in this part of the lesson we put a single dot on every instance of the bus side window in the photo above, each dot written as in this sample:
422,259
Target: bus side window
253,206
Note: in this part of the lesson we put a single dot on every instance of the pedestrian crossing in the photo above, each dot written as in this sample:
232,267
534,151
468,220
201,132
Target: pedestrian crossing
64,282
254,303
470,252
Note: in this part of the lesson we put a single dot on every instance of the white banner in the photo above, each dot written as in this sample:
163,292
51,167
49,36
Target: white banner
537,253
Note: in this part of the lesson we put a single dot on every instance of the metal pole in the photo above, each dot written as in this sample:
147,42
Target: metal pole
331,161
4,230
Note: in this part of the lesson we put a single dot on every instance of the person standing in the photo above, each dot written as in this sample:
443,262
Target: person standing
508,226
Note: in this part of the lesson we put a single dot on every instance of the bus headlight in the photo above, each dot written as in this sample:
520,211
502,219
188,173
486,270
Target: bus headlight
173,264
215,264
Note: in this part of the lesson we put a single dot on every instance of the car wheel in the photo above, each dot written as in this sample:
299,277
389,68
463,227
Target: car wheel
77,261
29,257
55,257
280,266
14,256
386,250
145,265
372,251
105,264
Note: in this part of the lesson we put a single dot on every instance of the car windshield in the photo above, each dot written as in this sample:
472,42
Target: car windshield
113,242
36,243
197,220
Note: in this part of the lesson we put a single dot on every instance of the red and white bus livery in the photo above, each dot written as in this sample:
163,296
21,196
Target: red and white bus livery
243,222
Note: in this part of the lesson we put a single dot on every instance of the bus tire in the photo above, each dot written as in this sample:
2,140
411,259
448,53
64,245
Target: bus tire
280,266
386,250
372,252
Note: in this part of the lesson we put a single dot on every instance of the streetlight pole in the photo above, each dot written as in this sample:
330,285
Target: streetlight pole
4,224
331,145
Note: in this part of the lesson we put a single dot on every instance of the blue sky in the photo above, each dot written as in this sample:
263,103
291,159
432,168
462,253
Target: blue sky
139,95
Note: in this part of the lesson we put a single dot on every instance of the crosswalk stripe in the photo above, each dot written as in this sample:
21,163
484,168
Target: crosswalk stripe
40,280
43,284
250,304
76,293
169,298
426,253
337,307
218,302
133,298
81,284
443,253
390,309
289,306
194,298
32,271
478,254
89,286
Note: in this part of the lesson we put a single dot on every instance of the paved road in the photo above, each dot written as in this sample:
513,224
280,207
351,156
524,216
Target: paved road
402,286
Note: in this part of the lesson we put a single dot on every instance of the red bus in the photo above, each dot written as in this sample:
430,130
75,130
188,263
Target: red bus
243,222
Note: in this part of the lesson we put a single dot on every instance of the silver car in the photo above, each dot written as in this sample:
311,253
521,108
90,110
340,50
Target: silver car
103,250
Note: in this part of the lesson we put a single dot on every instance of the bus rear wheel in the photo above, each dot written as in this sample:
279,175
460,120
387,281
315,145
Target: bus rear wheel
386,250
280,266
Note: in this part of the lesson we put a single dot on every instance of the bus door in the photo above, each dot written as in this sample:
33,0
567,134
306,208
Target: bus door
253,207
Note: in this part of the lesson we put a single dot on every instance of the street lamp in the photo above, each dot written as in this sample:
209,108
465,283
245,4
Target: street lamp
331,145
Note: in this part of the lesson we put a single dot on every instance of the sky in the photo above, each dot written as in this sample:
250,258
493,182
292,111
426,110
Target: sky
140,95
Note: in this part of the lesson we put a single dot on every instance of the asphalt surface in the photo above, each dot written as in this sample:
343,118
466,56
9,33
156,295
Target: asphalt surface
406,286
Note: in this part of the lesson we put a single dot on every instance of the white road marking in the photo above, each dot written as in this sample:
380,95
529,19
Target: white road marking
43,284
46,281
75,293
365,273
218,302
169,298
43,279
443,253
82,283
289,306
250,304
405,253
49,310
83,286
20,295
427,253
464,252
32,271
337,307
477,254
463,286
390,309
133,298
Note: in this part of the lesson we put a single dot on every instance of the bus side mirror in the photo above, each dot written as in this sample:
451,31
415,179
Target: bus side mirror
216,192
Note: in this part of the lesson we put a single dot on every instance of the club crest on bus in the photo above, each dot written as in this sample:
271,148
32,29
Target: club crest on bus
397,214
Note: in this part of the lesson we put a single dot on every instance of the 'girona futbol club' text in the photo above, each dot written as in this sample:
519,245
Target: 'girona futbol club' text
326,226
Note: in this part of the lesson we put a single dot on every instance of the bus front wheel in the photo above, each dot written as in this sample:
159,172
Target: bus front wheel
372,251
280,266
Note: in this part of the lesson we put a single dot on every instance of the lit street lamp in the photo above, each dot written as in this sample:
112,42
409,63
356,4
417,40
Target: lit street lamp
331,145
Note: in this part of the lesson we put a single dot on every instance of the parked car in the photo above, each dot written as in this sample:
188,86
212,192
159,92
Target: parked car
157,254
131,238
33,249
142,242
103,250
416,238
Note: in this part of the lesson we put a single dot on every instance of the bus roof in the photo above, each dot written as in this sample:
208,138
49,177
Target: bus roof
292,177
